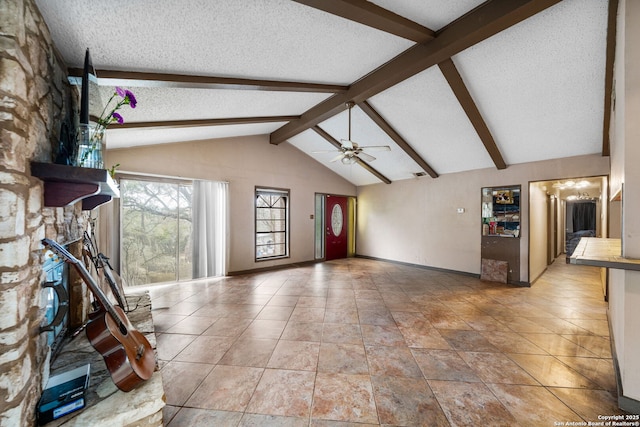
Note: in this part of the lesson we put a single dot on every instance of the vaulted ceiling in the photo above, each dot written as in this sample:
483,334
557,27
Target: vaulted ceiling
448,85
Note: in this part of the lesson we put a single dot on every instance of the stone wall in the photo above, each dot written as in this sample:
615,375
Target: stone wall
34,98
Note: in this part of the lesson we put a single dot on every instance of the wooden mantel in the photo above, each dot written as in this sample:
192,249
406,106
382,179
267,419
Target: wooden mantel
601,252
64,185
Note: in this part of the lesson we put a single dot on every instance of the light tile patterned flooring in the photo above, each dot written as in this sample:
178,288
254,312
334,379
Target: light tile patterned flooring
358,342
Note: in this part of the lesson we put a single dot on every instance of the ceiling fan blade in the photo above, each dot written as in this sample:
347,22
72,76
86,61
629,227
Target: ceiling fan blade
347,144
375,147
338,157
325,151
367,157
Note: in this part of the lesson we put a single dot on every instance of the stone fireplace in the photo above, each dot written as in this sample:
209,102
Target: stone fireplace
35,98
34,95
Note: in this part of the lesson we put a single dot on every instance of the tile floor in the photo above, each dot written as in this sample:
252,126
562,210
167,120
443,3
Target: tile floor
358,342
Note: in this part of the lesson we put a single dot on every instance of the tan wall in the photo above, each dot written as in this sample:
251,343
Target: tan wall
245,162
415,221
538,226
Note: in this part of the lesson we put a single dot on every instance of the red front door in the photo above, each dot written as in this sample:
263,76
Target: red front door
336,227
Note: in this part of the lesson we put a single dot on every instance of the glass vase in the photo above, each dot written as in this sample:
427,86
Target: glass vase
90,145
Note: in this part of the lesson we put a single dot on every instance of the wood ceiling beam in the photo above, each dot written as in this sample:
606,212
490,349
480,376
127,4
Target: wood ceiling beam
481,23
373,171
454,79
331,140
372,15
608,76
393,134
135,79
201,122
359,161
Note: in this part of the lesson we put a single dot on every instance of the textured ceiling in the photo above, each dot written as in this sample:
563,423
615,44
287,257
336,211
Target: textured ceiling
538,86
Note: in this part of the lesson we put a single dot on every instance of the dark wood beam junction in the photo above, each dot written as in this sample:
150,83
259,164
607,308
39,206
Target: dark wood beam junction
331,140
481,23
393,134
184,81
372,15
202,122
454,79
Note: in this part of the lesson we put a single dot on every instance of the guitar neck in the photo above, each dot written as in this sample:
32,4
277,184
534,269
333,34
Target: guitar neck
95,289
86,276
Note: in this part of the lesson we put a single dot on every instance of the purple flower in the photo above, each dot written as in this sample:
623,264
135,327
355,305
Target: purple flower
118,118
109,114
132,98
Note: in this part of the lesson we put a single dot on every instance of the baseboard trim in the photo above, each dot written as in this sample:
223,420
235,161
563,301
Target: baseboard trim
625,403
274,267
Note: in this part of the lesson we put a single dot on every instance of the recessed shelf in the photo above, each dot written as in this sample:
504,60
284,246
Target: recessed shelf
64,185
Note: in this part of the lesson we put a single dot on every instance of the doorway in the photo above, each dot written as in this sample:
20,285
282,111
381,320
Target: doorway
580,220
335,226
561,212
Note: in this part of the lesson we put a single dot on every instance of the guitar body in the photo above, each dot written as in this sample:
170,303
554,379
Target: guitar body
126,352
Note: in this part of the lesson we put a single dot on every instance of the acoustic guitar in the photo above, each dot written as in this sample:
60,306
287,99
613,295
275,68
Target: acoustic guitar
126,352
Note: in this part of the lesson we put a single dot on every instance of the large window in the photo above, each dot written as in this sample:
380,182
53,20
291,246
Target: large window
172,230
272,223
156,231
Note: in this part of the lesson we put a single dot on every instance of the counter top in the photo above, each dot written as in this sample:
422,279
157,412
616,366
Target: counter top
601,252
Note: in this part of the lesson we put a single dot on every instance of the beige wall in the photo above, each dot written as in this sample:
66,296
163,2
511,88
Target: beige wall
538,226
244,162
415,221
624,288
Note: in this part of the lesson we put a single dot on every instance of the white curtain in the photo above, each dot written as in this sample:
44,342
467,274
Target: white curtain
210,216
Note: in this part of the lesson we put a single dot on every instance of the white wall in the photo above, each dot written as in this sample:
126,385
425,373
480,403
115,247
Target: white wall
624,288
245,162
415,220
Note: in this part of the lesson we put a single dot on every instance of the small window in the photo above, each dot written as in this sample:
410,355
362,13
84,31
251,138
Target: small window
272,223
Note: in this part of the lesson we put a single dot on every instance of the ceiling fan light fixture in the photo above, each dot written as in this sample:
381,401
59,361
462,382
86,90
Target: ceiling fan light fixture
348,160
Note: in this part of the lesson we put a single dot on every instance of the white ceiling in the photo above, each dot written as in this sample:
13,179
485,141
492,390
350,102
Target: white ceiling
538,85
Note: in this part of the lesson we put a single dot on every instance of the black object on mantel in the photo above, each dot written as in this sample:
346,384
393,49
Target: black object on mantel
84,94
64,185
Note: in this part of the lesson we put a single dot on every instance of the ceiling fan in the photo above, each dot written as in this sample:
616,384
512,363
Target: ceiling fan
350,151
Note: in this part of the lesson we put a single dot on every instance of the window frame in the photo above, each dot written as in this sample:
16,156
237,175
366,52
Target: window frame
283,192
153,179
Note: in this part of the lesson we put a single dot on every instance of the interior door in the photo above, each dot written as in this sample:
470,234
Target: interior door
336,227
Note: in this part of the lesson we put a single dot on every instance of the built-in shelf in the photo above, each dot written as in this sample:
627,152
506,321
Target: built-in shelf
601,252
64,185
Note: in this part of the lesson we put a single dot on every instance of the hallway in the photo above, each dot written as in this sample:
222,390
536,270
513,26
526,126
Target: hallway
362,342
